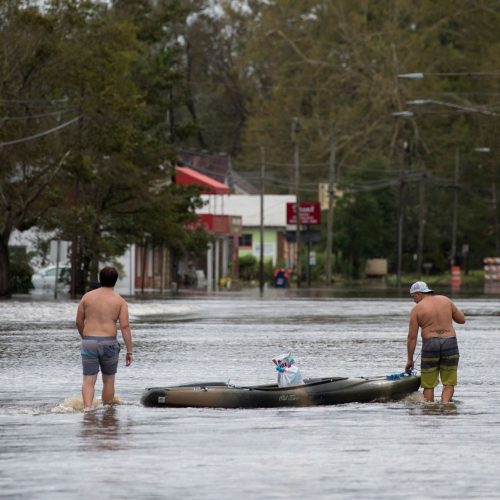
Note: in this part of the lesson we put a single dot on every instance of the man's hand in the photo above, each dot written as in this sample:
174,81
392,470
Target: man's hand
409,365
128,359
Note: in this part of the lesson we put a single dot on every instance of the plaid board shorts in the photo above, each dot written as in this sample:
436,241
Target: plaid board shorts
99,352
439,360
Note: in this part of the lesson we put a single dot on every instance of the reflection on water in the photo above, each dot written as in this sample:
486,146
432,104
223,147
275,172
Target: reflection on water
102,430
437,408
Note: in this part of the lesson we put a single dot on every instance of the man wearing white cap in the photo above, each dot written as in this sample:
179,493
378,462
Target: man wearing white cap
434,314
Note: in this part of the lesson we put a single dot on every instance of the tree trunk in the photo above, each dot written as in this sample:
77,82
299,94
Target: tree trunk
4,265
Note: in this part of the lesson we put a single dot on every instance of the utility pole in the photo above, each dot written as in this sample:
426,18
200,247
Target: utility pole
297,199
495,216
261,262
407,160
74,257
230,175
455,210
400,229
58,257
421,222
170,116
331,199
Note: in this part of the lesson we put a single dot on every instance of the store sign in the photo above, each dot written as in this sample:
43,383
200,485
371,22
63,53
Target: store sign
310,213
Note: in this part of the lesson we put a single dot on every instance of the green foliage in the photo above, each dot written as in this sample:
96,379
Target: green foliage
365,222
20,276
131,81
335,63
108,172
360,230
248,266
318,270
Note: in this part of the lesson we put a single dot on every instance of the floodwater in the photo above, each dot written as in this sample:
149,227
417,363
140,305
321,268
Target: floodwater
50,449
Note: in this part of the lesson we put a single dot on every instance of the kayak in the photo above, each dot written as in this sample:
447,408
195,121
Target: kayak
319,391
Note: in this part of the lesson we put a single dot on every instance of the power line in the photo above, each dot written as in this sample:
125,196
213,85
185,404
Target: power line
40,134
28,117
320,88
34,101
276,164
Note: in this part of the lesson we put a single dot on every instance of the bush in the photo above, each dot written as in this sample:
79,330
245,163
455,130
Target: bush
20,277
248,268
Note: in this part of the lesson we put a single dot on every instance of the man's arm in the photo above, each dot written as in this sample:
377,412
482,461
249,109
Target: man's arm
80,318
411,342
457,314
126,331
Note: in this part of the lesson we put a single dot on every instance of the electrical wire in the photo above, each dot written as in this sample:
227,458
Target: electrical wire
40,134
42,115
34,101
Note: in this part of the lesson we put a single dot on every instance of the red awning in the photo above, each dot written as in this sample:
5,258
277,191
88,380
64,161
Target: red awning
186,176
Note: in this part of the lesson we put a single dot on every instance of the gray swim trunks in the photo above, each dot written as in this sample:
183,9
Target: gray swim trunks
100,352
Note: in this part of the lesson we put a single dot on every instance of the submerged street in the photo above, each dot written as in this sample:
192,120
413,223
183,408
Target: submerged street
51,449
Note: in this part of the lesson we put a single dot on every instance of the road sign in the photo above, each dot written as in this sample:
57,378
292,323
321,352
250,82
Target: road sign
310,213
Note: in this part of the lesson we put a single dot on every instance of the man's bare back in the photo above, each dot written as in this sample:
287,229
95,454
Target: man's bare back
435,315
96,320
99,311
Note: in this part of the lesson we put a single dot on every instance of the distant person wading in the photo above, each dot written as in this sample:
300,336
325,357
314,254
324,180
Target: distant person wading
434,315
96,318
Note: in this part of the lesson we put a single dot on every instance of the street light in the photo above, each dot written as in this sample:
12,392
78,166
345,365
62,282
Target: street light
421,224
411,76
418,102
494,203
423,102
420,76
404,114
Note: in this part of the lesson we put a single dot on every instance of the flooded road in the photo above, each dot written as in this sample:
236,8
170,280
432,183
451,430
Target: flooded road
50,449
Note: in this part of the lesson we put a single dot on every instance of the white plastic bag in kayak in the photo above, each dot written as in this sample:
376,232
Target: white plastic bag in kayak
288,373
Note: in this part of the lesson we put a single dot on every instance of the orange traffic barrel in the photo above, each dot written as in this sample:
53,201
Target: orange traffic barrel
456,278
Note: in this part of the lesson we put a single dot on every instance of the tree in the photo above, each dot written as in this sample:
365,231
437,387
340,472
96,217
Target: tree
365,219
108,173
34,117
118,179
215,86
336,63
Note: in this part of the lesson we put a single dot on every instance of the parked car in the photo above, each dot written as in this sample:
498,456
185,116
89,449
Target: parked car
44,280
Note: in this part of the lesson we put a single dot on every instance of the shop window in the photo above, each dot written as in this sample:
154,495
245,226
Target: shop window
245,240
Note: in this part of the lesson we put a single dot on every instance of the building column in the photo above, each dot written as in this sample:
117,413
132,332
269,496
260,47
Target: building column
225,257
130,269
217,263
210,267
235,271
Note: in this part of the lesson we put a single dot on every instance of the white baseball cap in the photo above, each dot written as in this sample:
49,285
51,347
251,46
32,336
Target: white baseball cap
420,286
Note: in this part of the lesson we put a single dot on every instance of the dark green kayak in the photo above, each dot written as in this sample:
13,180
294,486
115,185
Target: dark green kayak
319,391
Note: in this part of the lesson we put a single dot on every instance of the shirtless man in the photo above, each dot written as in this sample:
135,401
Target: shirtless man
96,318
434,314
